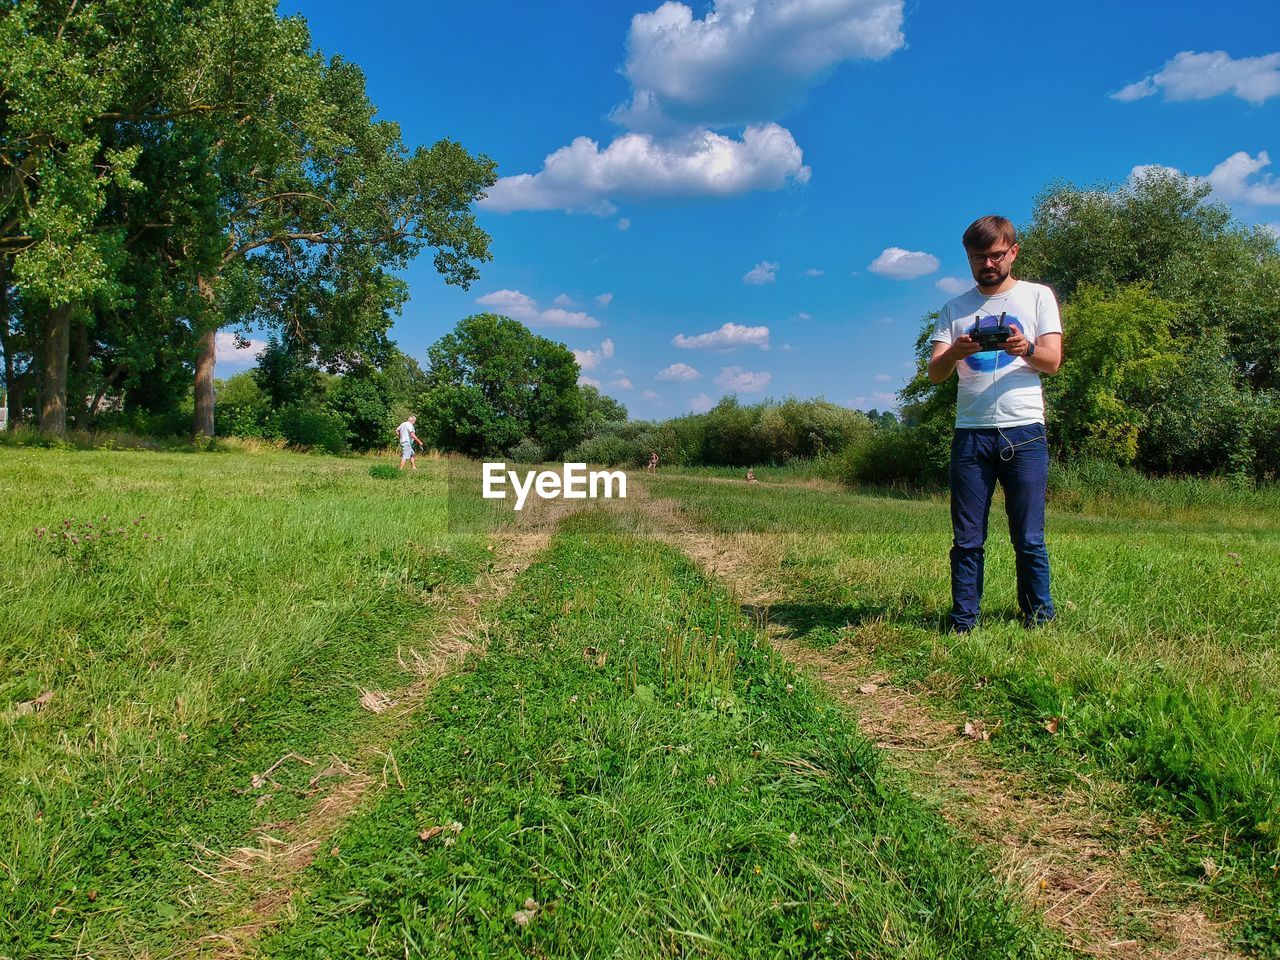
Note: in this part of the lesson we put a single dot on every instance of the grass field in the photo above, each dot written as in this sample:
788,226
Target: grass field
216,743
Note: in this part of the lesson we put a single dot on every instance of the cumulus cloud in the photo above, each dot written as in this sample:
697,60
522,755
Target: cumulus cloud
604,299
519,306
588,382
590,359
564,300
743,381
701,403
762,272
803,316
679,372
746,60
230,353
953,285
1201,76
741,65
622,383
898,264
882,378
729,336
1232,180
650,395
624,224
637,166
815,272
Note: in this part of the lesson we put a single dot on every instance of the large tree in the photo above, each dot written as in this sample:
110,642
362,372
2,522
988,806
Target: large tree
168,169
492,383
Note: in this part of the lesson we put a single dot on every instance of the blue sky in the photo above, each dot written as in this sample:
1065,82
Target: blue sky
796,143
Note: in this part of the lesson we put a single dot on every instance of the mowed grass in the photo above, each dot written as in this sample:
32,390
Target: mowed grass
230,611
1163,667
632,771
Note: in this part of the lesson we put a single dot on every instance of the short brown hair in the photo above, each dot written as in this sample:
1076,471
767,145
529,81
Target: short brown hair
985,231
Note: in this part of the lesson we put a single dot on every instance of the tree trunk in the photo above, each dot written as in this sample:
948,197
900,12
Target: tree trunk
12,393
204,384
57,341
78,387
205,359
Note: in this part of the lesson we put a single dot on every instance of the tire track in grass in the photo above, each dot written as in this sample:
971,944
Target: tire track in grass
1057,849
266,874
632,771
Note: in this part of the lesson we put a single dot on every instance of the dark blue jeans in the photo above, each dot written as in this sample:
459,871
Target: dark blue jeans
1018,457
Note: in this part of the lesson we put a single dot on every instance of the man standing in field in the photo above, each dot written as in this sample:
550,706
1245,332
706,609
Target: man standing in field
1000,422
407,439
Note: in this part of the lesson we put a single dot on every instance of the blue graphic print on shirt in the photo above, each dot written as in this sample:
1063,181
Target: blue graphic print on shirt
986,362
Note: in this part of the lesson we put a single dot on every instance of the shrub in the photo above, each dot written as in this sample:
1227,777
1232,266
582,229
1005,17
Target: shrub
527,451
891,458
305,426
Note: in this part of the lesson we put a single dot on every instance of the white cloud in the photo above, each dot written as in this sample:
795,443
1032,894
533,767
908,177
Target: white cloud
510,303
787,348
622,383
636,166
743,381
882,378
588,382
898,264
701,403
1201,76
1232,180
229,352
953,285
746,59
650,395
884,399
803,316
1229,179
762,272
624,224
679,372
564,300
729,335
590,359
519,306
815,272
604,299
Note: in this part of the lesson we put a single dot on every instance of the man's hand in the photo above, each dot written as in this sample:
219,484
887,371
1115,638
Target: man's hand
965,346
1017,345
946,356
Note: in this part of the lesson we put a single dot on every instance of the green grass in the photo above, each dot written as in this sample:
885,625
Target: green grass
235,618
633,757
1164,665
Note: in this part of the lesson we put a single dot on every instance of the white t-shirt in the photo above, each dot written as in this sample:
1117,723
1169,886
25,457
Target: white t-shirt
997,390
406,432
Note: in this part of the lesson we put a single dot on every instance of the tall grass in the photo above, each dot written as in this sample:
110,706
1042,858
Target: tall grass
200,614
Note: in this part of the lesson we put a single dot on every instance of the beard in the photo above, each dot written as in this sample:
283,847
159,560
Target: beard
993,276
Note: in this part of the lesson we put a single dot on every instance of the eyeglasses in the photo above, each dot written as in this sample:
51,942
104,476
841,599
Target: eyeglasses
995,256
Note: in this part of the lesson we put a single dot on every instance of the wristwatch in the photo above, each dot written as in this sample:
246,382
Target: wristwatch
1031,349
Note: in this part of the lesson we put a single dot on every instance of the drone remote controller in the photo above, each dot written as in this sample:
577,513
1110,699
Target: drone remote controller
991,338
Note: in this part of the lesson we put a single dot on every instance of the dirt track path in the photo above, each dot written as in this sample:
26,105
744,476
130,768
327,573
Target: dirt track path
268,872
1059,850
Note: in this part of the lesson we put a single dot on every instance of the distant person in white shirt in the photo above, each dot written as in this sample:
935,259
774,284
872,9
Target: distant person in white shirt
999,337
407,439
